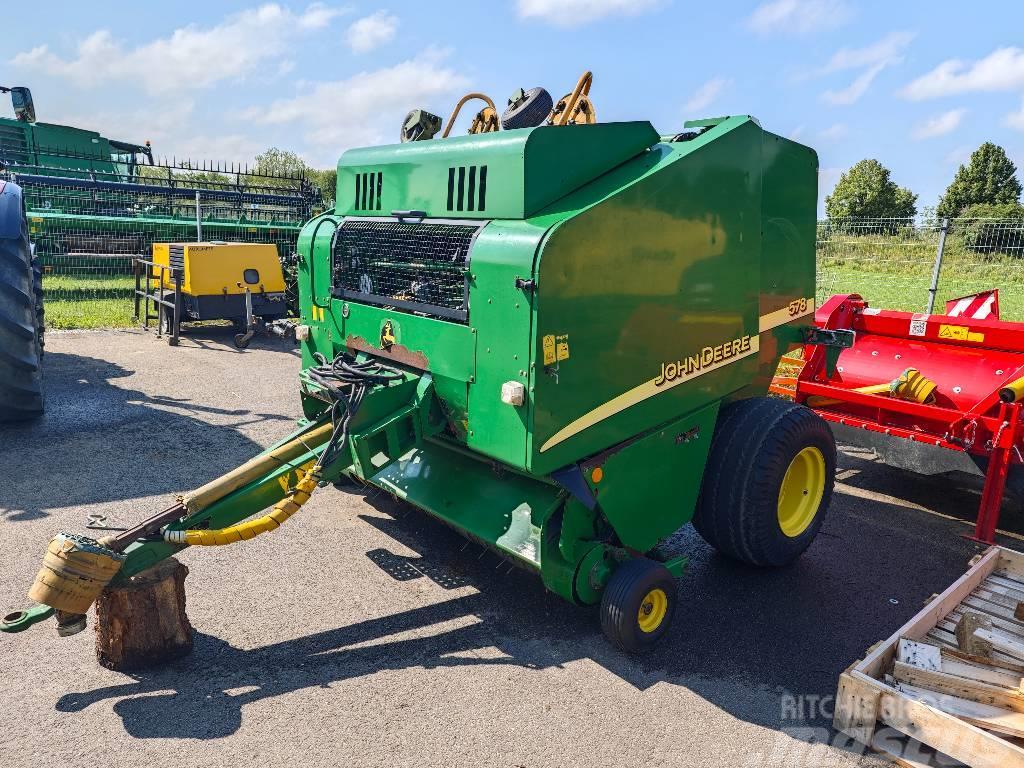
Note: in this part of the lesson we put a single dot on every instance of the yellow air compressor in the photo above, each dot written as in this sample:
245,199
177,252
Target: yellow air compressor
240,282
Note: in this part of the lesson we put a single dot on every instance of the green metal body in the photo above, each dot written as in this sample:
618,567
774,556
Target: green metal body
647,257
631,285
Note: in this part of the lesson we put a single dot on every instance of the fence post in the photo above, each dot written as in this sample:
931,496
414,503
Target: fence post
199,219
936,270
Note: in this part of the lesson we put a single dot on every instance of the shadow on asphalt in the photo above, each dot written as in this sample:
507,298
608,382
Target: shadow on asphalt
778,637
114,442
956,494
215,337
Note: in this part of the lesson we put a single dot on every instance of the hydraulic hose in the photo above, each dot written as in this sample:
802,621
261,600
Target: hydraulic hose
345,380
284,509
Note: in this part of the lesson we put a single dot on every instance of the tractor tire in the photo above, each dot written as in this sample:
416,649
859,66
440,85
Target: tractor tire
637,604
37,287
532,111
768,481
21,330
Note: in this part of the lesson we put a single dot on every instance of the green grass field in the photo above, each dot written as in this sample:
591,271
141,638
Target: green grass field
101,301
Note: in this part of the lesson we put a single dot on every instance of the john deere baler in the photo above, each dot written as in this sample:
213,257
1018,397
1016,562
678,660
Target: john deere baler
558,340
584,301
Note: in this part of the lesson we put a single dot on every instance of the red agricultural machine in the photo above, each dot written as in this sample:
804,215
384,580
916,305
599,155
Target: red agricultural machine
929,393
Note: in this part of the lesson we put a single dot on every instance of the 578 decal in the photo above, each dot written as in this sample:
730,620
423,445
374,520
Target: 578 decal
797,307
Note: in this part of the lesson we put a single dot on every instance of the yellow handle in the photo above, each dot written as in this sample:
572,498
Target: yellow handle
1013,391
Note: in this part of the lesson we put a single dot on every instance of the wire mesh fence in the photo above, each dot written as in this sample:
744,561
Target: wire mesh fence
899,263
88,226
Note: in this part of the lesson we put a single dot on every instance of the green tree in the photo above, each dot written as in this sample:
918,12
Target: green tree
866,190
282,162
989,178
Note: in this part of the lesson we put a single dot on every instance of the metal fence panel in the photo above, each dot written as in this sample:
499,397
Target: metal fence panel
891,262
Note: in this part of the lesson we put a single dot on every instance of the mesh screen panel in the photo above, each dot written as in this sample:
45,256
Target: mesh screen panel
420,268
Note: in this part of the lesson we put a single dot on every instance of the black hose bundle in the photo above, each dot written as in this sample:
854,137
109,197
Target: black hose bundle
345,380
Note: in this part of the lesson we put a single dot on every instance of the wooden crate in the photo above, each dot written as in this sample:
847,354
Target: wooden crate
968,707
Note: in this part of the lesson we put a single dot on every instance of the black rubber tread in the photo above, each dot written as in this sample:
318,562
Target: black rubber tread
754,443
21,385
620,603
529,113
37,289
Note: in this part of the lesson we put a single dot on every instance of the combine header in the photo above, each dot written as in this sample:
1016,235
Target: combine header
928,393
94,203
557,338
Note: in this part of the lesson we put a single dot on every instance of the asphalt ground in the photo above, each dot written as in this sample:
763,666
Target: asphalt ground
364,633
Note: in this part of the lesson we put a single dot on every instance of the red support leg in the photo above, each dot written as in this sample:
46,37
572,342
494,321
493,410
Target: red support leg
995,477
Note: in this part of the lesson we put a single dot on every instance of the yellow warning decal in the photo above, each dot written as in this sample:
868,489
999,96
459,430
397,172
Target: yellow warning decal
562,347
549,349
960,333
37,219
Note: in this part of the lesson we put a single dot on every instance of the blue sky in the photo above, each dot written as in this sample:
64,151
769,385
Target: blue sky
917,85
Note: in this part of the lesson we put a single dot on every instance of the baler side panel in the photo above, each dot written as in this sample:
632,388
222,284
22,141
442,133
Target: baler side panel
662,270
501,318
789,194
648,489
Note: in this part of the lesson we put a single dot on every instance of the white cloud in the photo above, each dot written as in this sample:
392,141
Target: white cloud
190,57
366,108
177,133
852,93
572,13
706,94
833,132
798,16
1016,119
1001,70
796,133
371,31
873,58
939,125
889,50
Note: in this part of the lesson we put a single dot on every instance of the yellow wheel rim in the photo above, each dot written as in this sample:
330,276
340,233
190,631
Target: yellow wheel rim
801,491
653,608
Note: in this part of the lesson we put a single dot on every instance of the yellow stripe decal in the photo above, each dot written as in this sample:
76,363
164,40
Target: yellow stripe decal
792,311
639,394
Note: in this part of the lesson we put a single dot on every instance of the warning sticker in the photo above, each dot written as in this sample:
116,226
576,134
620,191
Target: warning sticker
549,349
960,333
918,325
562,347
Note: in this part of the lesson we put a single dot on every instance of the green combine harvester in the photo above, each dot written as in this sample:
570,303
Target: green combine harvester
558,339
93,205
92,199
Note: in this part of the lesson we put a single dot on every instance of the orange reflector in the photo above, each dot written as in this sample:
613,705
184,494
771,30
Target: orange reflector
596,475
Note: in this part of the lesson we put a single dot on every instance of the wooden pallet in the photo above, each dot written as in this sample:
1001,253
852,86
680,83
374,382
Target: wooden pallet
920,683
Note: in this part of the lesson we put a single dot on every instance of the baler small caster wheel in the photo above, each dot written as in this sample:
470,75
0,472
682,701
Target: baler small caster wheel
637,604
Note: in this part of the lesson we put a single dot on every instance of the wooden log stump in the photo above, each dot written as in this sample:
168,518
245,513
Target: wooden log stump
143,623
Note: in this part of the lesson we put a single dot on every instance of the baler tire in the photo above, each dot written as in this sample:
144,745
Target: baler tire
21,332
531,112
755,444
624,595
